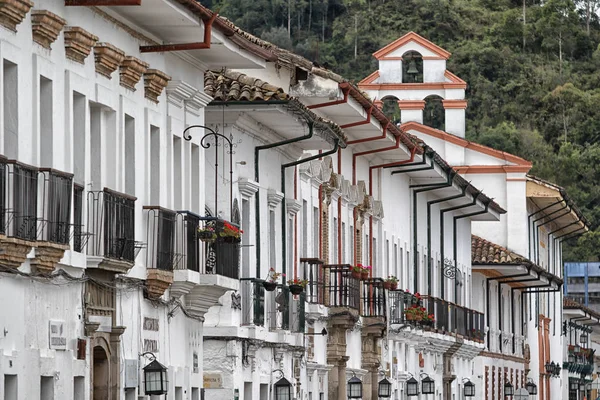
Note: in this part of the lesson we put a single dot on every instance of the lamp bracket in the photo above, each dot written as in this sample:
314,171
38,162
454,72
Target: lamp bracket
148,354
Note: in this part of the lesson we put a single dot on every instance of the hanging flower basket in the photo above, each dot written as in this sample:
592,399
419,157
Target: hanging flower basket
269,286
296,289
394,286
207,234
297,285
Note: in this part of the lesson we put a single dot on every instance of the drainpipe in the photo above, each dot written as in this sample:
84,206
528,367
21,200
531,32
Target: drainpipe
336,146
536,235
450,177
566,236
454,244
257,149
442,240
529,223
551,256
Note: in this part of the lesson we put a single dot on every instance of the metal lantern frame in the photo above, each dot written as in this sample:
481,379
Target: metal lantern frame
469,389
549,367
571,357
412,387
354,388
531,387
583,338
576,349
427,385
283,389
573,385
155,378
509,389
557,369
384,389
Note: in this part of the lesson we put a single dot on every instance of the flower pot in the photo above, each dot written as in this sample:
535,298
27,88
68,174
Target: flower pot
410,317
269,286
394,285
364,275
356,275
296,289
387,285
206,236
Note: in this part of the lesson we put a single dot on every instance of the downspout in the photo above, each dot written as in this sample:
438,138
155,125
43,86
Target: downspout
536,230
552,256
529,223
339,210
450,177
455,245
257,149
442,229
336,146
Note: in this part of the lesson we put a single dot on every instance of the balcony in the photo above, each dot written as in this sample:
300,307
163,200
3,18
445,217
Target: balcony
340,289
161,256
399,300
18,211
373,302
581,362
111,245
451,319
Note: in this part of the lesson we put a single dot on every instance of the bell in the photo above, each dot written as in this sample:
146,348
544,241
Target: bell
412,68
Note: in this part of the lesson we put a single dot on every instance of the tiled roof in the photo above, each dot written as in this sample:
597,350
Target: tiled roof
226,86
486,252
235,86
571,304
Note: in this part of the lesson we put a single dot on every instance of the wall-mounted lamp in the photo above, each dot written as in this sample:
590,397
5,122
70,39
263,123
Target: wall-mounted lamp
354,388
509,390
531,387
155,376
427,384
412,387
468,388
322,333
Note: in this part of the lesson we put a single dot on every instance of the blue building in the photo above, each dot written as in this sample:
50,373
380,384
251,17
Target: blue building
582,283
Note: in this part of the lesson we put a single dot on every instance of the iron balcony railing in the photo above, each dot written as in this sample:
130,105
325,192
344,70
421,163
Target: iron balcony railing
186,241
111,225
373,302
399,301
286,311
253,301
20,194
160,235
340,289
454,319
79,236
223,253
55,199
312,269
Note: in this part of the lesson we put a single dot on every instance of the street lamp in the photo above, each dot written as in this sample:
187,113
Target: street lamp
385,389
283,390
412,387
583,338
576,349
531,387
155,377
469,388
509,390
427,385
354,388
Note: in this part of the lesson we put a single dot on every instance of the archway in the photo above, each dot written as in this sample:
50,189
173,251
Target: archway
100,374
412,67
391,109
434,114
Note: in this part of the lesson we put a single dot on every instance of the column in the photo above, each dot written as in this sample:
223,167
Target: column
455,116
411,110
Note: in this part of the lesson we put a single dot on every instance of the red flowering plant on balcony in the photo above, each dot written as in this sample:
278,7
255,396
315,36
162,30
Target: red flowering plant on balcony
391,283
360,271
477,334
297,285
230,232
418,313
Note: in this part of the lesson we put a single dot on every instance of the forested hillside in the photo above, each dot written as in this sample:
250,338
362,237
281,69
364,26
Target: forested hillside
532,67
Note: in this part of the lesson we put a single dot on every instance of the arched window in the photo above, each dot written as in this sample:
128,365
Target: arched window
391,109
434,114
412,67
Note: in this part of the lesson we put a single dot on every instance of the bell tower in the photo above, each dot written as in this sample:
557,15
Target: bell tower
412,71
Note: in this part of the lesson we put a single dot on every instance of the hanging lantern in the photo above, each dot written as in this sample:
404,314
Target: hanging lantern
427,386
576,349
582,385
531,387
155,379
573,385
583,338
508,389
549,367
469,389
412,387
283,390
557,369
385,389
354,388
571,358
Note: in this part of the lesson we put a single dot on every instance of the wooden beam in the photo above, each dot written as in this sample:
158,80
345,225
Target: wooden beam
184,46
94,3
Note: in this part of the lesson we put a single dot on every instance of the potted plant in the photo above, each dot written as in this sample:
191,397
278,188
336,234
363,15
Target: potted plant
207,233
391,283
365,272
428,319
357,271
415,313
230,233
270,283
297,285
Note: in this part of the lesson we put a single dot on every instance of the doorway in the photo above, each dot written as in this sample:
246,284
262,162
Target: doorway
100,375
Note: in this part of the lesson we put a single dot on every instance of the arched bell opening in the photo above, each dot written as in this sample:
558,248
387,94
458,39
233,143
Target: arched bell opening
434,114
412,67
391,109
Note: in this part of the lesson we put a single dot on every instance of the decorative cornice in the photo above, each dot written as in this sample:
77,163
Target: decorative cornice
293,206
154,83
274,198
178,92
46,27
108,58
198,101
12,12
78,43
131,71
247,187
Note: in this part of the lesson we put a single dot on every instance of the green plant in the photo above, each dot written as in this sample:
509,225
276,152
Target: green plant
273,275
392,279
298,281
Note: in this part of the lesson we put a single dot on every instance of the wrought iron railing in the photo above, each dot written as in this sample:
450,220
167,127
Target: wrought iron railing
253,301
186,241
21,201
3,199
55,198
451,318
312,269
111,224
222,253
160,235
399,301
79,237
340,289
373,302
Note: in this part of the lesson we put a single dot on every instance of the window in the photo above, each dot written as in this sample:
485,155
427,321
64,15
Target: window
130,156
316,234
79,388
155,162
56,207
351,249
195,176
78,218
177,173
11,391
335,254
47,388
165,252
395,271
24,182
387,257
46,139
11,110
304,228
79,137
344,253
